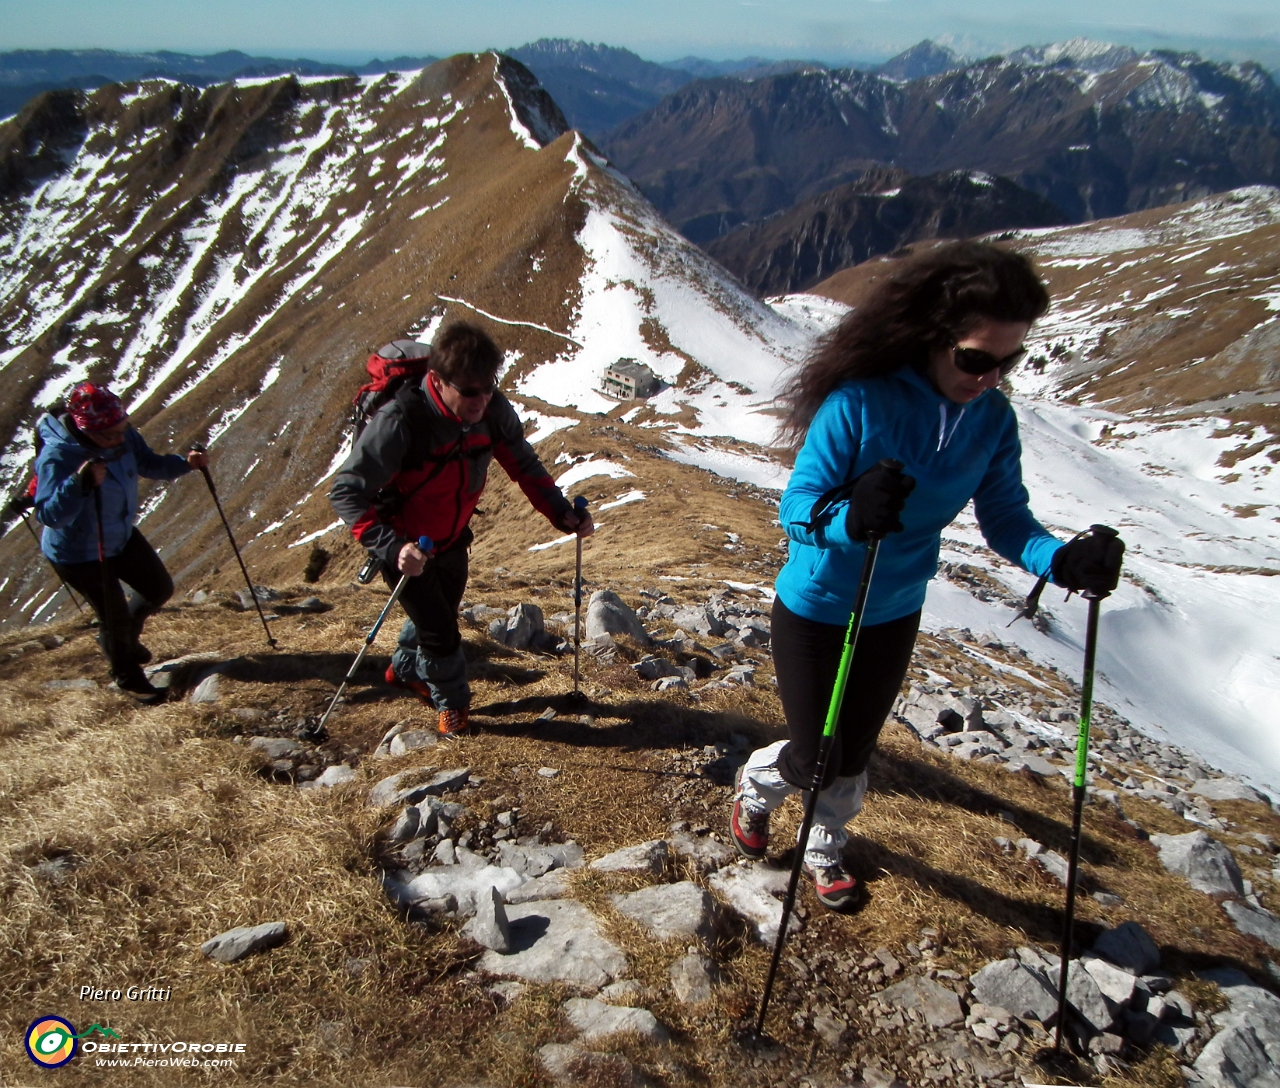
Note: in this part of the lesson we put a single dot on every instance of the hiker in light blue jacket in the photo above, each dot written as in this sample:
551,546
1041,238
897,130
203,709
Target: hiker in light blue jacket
87,498
908,377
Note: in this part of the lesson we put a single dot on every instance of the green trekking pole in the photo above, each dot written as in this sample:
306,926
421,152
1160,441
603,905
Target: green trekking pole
819,772
1078,786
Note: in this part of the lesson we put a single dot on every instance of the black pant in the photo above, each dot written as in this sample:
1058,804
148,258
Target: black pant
806,658
431,599
121,619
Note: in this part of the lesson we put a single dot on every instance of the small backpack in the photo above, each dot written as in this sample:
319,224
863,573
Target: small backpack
391,367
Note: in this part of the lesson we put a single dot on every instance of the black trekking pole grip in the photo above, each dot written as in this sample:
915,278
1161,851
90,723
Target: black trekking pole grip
213,492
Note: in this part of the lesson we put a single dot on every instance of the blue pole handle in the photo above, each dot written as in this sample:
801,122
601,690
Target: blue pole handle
580,504
425,544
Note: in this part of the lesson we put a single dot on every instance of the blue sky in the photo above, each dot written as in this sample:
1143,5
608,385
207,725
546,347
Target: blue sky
656,29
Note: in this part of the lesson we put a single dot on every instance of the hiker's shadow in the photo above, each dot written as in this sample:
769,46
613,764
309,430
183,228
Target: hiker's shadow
923,781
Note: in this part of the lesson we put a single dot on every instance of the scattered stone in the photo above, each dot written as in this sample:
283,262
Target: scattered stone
691,978
701,620
1255,923
509,991
703,852
554,885
829,1029
655,668
888,961
1224,789
389,791
489,925
79,684
668,912
406,826
243,941
1245,1052
646,857
548,772
1129,946
556,941
671,683
1115,983
312,604
466,883
523,624
278,747
626,992
1085,997
1012,985
594,1019
410,740
609,615
939,1005
208,690
263,593
569,1064
337,775
1054,864
752,889
1205,862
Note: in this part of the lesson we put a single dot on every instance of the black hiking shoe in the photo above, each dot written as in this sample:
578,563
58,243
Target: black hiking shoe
750,832
836,889
135,682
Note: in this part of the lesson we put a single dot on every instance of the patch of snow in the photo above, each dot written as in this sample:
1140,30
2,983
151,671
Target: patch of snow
317,534
585,470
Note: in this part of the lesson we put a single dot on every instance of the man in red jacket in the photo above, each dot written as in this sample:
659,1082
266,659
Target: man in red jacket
419,469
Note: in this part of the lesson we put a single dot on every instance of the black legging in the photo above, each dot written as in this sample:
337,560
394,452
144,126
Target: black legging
121,620
806,658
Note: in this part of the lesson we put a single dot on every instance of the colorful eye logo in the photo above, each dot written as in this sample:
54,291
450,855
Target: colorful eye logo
51,1042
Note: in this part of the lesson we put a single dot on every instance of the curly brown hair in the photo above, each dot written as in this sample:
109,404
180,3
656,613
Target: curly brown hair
932,301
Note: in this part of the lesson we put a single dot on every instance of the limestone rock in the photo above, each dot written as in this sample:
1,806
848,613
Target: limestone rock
337,775
569,1064
1085,997
554,885
1224,789
594,1019
243,941
608,614
691,978
466,883
489,925
1129,946
645,857
1115,983
208,690
1205,862
556,940
278,747
1245,1053
703,852
753,890
390,790
939,1006
1014,986
410,740
668,912
523,624
1256,923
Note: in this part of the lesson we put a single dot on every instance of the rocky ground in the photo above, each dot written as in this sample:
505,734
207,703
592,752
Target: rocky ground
553,899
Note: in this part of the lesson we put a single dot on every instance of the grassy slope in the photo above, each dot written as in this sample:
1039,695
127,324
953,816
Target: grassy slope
172,835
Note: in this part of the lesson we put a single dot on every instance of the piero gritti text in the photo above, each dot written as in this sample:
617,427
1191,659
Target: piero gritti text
129,993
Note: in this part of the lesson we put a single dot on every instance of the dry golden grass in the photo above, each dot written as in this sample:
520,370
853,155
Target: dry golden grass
170,834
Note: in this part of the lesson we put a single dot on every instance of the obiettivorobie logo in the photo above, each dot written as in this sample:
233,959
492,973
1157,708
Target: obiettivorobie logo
51,1041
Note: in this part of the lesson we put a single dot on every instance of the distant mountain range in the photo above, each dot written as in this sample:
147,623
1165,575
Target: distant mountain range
1096,130
25,73
881,212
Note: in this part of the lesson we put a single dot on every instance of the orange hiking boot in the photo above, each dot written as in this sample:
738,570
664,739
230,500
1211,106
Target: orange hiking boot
415,685
836,889
453,723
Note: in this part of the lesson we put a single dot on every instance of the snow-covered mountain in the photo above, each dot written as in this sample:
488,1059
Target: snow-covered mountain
227,259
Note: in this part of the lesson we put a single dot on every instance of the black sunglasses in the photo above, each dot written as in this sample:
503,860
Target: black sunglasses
473,390
976,361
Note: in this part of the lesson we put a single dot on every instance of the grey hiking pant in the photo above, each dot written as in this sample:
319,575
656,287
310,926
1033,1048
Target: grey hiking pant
761,789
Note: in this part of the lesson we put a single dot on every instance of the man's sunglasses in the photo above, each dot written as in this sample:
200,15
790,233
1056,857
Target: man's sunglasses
976,361
471,391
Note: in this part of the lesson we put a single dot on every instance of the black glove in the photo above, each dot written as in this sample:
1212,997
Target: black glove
1090,564
876,500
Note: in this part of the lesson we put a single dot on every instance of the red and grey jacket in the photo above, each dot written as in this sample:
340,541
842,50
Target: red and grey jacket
418,470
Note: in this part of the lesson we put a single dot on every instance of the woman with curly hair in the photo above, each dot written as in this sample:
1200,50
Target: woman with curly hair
908,378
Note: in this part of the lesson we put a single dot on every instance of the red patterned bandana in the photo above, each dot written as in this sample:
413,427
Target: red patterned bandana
95,407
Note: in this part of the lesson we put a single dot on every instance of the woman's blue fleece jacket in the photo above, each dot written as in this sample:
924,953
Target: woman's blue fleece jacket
955,452
66,508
